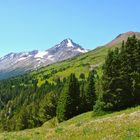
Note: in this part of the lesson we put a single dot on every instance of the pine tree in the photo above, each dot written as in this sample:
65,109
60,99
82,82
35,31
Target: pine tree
82,84
107,96
136,74
111,88
90,96
68,104
128,66
48,107
121,78
82,76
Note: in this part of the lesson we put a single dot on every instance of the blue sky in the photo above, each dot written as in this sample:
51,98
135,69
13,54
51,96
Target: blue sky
27,25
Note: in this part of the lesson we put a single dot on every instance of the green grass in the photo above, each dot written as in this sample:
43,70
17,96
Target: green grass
123,125
79,64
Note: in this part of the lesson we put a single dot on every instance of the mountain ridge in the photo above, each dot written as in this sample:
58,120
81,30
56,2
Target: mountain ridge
14,64
122,37
37,59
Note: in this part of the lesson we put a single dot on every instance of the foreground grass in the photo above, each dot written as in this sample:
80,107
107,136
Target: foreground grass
123,125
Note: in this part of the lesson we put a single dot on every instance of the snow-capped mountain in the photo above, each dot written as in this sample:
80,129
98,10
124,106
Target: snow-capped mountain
19,63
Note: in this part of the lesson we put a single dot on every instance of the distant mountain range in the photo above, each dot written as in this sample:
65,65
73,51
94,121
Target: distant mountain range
14,64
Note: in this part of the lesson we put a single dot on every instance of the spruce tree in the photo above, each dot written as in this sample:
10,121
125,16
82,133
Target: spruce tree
111,85
135,75
48,106
121,77
90,96
128,66
107,96
68,104
82,95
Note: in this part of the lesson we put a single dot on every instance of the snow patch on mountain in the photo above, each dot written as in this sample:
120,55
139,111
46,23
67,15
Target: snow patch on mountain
14,64
82,51
69,44
50,57
40,54
22,58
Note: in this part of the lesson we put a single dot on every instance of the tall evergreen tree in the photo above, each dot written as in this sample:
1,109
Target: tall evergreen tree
69,100
128,66
90,96
135,75
121,78
108,72
48,107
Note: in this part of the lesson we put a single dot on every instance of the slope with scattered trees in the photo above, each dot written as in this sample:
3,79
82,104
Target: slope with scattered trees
25,103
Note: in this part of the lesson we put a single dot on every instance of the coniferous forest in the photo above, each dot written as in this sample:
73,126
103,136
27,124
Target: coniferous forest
24,104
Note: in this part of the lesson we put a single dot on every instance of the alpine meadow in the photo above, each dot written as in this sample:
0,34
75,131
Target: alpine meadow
69,91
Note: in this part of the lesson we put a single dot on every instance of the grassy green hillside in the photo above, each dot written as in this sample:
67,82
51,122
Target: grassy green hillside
79,64
82,63
122,125
22,93
27,95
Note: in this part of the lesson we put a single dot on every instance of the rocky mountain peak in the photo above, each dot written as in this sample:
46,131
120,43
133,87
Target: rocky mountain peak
18,63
